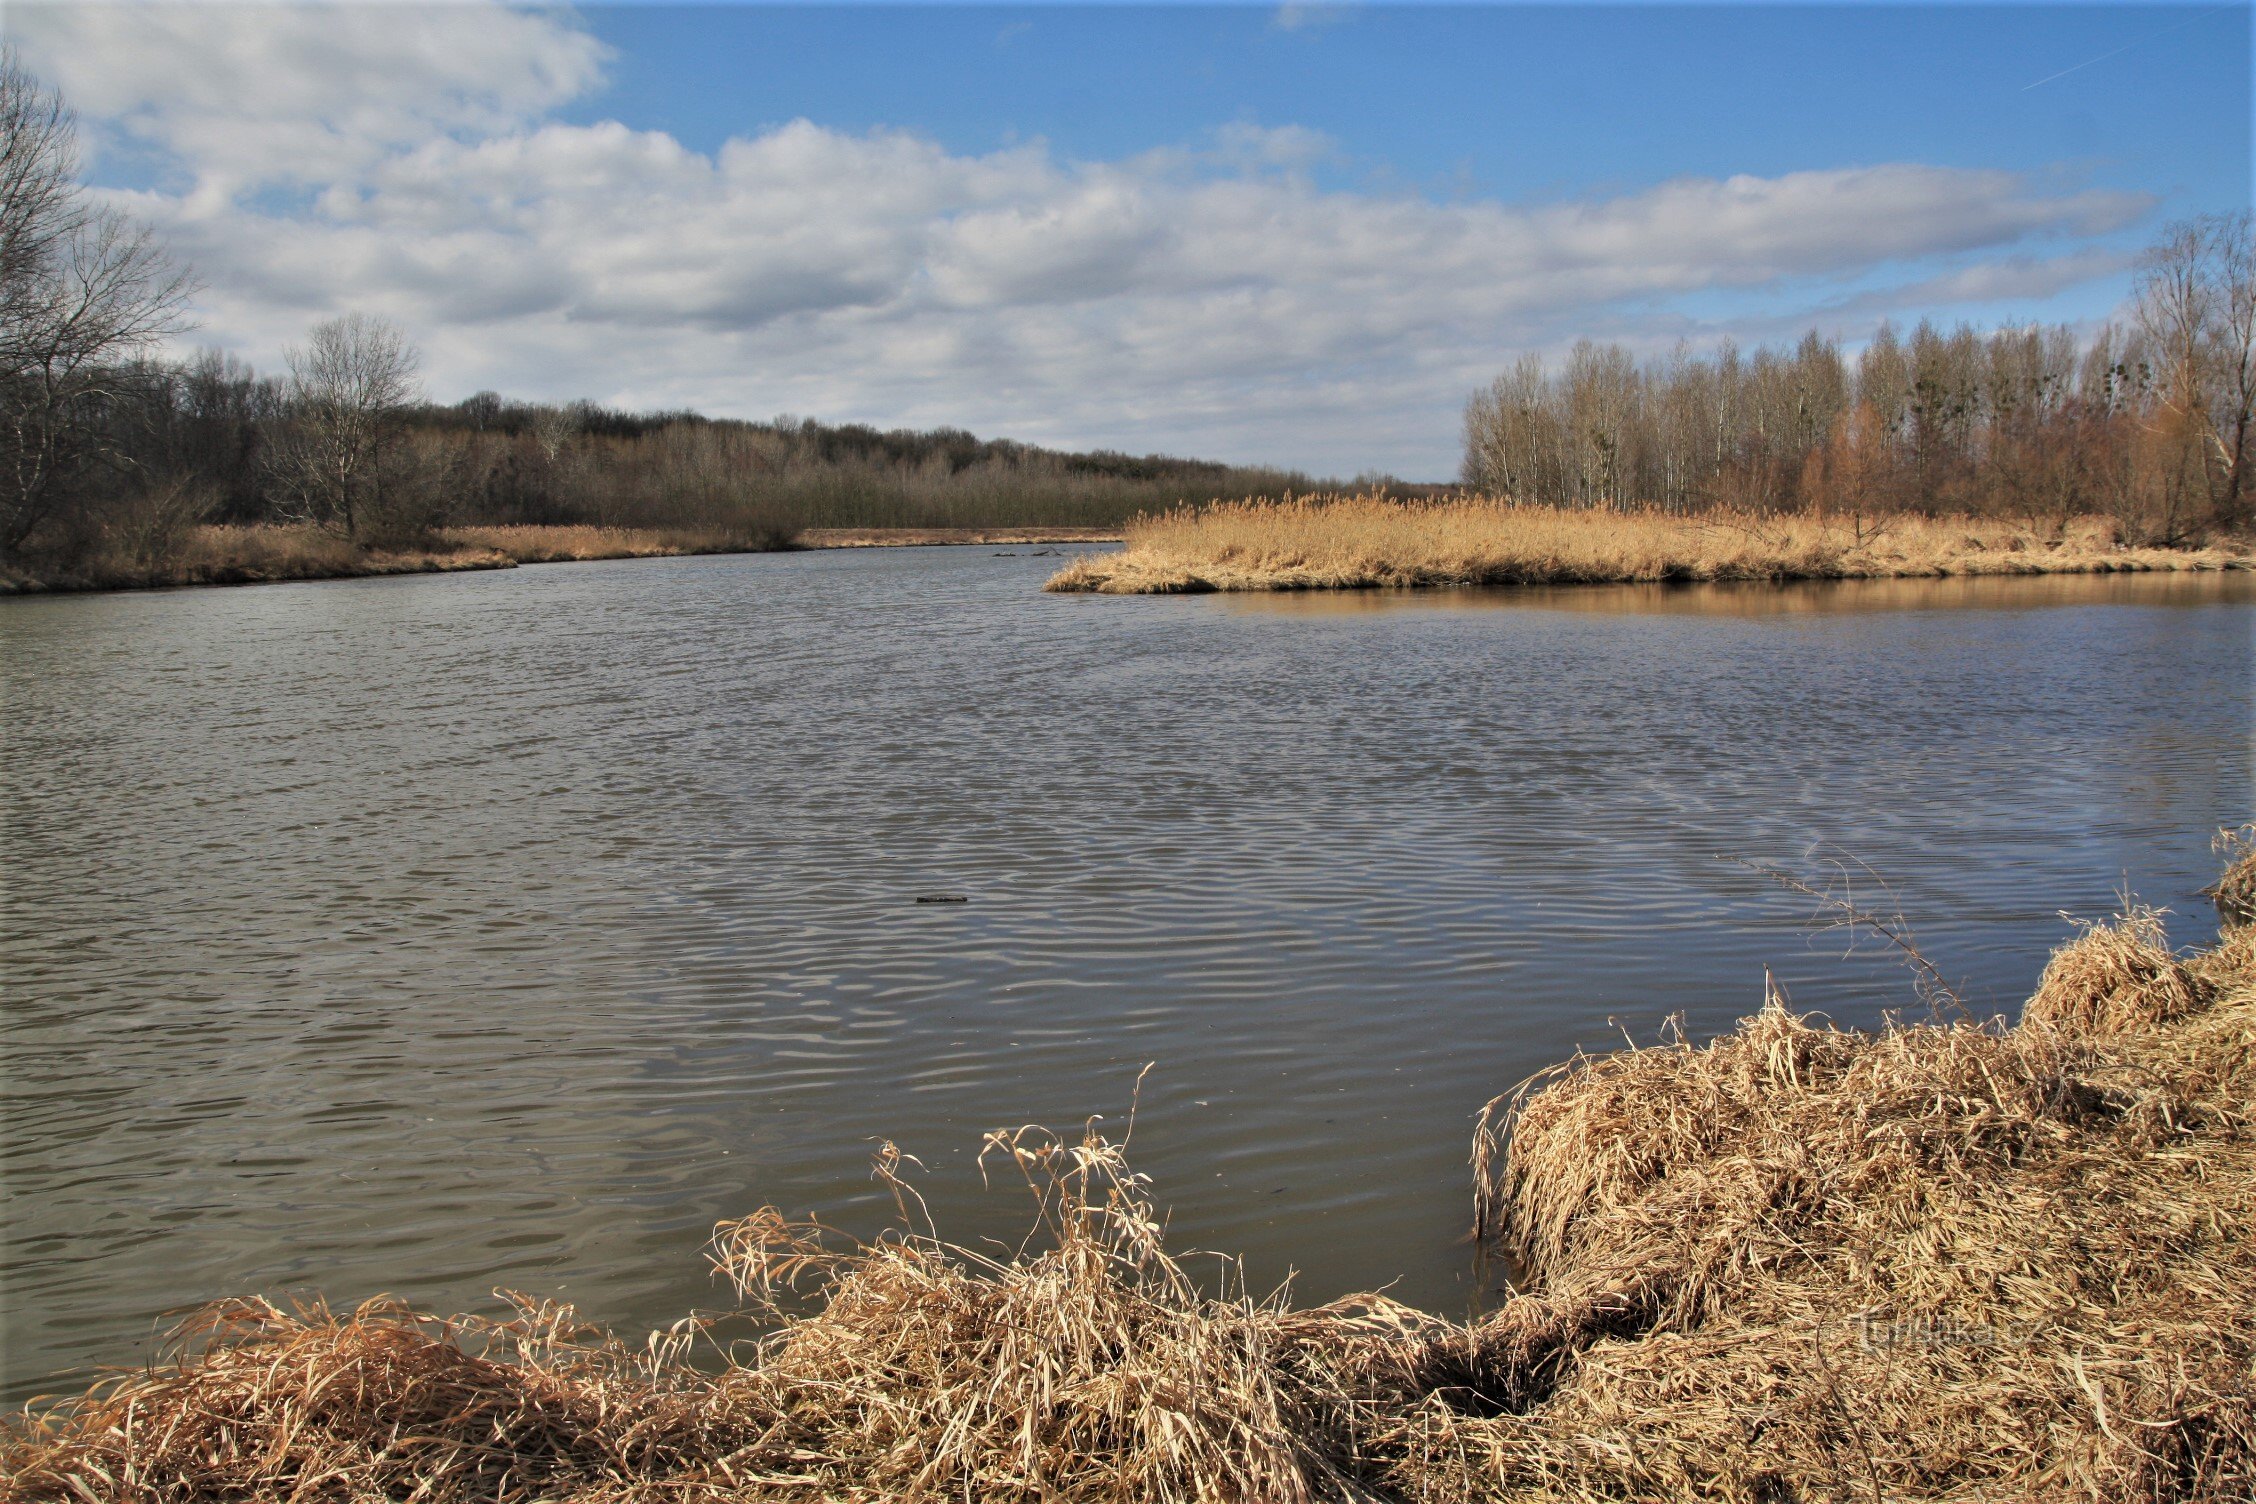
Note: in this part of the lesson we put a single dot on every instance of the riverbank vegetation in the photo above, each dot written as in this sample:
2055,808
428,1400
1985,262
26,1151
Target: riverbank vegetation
255,553
1363,542
1947,1260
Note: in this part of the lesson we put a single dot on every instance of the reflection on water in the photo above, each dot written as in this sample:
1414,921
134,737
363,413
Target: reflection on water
434,934
1824,597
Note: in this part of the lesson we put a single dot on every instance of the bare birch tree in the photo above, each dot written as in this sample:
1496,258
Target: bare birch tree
336,456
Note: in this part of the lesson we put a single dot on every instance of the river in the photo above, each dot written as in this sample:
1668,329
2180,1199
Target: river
434,934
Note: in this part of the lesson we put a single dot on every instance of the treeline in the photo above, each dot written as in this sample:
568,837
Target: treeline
488,460
340,440
2147,421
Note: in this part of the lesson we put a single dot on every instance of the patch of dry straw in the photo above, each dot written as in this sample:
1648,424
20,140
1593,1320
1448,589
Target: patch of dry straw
2235,892
1937,1262
1363,542
1092,1369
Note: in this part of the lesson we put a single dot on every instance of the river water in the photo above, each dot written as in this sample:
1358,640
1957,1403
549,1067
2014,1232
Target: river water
436,934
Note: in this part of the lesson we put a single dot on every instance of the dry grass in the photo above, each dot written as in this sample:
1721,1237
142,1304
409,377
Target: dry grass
923,537
564,544
1360,542
232,555
1936,1263
1092,1369
261,552
2115,977
2235,892
1942,1262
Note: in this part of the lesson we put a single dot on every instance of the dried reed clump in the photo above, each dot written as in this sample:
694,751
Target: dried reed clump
1365,542
1092,1369
2113,976
1938,1262
384,1403
2234,893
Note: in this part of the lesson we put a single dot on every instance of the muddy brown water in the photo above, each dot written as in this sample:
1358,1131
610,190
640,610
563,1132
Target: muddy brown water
436,934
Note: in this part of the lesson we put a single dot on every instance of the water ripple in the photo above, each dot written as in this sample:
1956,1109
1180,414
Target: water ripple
429,935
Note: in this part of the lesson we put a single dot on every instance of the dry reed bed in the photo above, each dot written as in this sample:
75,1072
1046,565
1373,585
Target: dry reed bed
226,554
1938,1262
257,553
1365,542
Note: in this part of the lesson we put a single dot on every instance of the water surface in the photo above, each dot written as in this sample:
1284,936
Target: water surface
435,934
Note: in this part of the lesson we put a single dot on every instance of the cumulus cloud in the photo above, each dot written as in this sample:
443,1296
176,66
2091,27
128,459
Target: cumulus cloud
252,93
1209,297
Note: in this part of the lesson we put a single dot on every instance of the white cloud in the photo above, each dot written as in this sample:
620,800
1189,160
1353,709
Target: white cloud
1300,17
1206,298
250,93
2009,279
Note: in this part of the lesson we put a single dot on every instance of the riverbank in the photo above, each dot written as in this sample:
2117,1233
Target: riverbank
1939,1262
1365,542
935,537
223,555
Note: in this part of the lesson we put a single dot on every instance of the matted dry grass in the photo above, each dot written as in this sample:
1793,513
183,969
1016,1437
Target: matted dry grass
2235,891
1940,1262
258,553
566,543
1364,542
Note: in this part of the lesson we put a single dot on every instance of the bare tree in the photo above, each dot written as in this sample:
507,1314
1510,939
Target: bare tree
2196,305
348,388
82,292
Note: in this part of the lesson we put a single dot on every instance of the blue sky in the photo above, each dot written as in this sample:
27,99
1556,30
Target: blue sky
1543,101
1296,235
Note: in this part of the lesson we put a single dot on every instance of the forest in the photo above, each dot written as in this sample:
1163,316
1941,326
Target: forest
2145,420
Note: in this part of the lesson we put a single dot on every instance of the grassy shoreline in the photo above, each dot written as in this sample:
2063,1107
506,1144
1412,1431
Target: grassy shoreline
1943,1261
1368,542
266,553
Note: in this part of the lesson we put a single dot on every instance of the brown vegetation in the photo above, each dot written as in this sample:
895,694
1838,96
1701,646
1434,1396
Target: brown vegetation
2235,891
1939,1262
258,552
922,537
1363,542
1944,1261
244,554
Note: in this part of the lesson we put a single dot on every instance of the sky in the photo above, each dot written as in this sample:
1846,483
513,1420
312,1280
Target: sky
1296,235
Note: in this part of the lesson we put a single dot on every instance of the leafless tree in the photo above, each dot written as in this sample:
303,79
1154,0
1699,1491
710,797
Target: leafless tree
337,454
82,292
2149,423
2196,305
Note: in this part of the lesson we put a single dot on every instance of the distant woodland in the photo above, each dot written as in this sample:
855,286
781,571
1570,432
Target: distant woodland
2146,421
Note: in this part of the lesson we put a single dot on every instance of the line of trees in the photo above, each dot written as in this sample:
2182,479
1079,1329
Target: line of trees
110,455
2148,421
